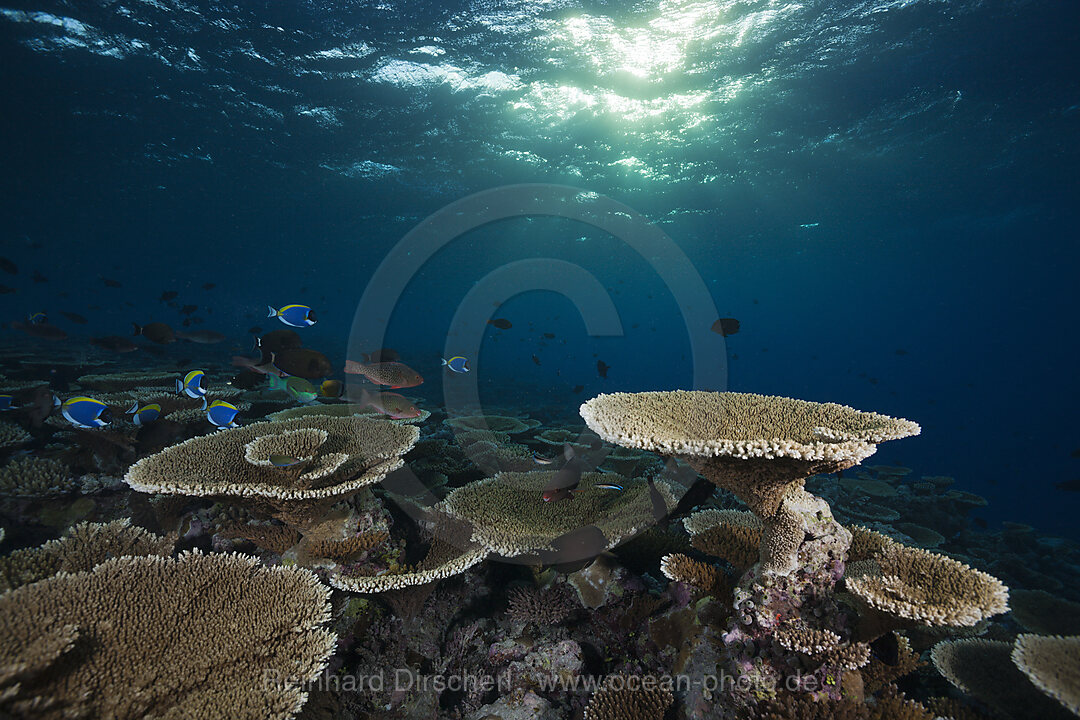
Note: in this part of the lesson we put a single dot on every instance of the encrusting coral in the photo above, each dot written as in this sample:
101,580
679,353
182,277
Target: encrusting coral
226,638
81,548
235,464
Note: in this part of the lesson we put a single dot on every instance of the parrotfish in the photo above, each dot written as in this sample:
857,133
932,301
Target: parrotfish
86,412
222,414
294,315
298,387
145,414
193,385
457,364
393,374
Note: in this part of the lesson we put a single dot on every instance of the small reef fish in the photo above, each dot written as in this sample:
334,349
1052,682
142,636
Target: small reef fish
294,315
7,402
577,388
501,323
222,414
86,412
37,318
168,295
193,385
203,337
145,414
114,343
188,309
457,364
392,404
111,283
157,332
45,331
9,267
726,326
536,359
602,368
283,461
393,374
565,482
209,286
541,460
298,387
331,388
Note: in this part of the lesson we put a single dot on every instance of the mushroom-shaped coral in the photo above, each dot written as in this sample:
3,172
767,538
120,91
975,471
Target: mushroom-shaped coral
344,410
81,548
355,453
444,559
227,638
758,447
1052,663
985,670
630,698
903,586
509,516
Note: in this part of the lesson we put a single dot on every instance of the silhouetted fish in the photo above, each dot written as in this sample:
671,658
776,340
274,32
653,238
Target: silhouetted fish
74,317
5,290
209,286
168,295
114,343
157,332
8,266
602,368
188,309
1069,485
501,323
111,283
38,277
536,359
726,326
549,336
45,331
577,388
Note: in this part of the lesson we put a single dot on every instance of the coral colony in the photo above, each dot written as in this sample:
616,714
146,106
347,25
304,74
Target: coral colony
712,560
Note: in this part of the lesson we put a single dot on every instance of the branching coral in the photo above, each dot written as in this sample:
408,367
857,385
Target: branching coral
629,698
1052,663
82,547
33,476
251,636
907,585
356,452
509,516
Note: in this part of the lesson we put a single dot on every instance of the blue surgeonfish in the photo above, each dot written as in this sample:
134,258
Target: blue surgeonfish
193,384
295,315
222,414
145,414
86,412
37,318
7,402
457,364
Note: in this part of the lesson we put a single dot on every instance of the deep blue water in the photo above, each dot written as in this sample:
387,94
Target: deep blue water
849,180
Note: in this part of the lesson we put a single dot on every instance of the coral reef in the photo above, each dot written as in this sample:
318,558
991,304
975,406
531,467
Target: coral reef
71,632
